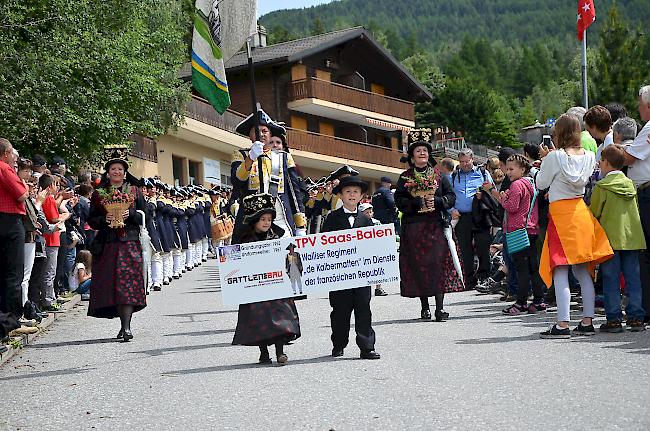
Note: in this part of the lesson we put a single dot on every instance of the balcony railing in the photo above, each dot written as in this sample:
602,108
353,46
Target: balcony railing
350,96
202,111
199,109
453,143
144,148
343,148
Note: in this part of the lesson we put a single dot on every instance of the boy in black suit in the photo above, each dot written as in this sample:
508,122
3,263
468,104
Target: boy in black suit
343,302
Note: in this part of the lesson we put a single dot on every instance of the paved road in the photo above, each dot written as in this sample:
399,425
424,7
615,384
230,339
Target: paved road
479,370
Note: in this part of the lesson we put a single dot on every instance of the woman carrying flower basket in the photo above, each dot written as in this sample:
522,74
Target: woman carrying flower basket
424,197
118,288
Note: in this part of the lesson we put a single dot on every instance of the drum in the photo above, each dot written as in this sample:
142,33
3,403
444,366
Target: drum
223,228
230,224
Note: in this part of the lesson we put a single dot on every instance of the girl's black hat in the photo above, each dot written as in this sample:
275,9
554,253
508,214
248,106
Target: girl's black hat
255,206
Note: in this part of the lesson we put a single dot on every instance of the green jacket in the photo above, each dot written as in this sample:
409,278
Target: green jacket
588,143
613,203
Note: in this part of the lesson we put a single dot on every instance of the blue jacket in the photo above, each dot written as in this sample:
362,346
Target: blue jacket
383,204
465,185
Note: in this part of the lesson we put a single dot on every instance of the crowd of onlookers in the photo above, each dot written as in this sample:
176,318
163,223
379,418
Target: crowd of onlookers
45,237
490,197
505,194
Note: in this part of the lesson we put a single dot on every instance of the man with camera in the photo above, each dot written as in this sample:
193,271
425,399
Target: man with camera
473,238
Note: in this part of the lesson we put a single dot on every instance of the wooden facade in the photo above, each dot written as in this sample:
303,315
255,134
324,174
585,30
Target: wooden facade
350,96
317,143
354,74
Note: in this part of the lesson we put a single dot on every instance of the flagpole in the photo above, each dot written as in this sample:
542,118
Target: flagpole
251,74
585,96
256,108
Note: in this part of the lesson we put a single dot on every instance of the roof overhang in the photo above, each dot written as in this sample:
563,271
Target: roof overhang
356,33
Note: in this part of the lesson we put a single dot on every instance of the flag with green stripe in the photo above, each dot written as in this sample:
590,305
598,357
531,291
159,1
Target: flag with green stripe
220,29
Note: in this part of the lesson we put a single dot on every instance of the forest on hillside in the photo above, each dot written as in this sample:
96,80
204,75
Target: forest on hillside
494,66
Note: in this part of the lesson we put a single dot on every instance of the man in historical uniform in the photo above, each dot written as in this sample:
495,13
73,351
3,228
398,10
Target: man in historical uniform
263,169
326,201
155,261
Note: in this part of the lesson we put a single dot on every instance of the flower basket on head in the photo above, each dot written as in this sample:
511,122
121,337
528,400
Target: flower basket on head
115,202
423,186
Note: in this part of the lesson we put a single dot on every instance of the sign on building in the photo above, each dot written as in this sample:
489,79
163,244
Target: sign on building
212,171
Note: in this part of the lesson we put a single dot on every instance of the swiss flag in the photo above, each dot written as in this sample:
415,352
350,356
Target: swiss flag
586,16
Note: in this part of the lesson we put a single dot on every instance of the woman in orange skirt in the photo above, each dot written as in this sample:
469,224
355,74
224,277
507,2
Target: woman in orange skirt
574,238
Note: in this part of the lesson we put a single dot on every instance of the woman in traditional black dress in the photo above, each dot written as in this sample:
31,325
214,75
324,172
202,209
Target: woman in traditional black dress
118,288
426,265
265,323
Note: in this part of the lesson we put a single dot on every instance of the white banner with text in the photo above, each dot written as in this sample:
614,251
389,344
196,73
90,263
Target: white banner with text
313,264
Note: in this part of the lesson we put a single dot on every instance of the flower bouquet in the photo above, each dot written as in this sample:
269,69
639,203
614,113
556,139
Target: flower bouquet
423,185
116,202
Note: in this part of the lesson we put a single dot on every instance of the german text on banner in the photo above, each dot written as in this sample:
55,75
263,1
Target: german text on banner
313,264
220,29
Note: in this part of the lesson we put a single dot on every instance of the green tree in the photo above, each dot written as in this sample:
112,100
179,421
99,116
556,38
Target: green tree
622,65
78,75
280,34
553,99
422,67
317,27
527,114
475,111
499,132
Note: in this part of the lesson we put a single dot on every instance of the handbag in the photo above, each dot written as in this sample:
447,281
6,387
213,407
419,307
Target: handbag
518,240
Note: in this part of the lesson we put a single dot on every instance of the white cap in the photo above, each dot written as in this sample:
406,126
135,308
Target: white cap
364,206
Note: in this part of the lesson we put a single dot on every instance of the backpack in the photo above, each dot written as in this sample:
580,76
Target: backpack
456,174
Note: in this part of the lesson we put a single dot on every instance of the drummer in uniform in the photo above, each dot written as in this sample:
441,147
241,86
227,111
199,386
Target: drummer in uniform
155,269
274,169
166,234
217,217
215,213
177,214
207,231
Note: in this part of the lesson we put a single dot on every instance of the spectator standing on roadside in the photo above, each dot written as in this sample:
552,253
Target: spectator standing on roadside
512,280
447,167
598,122
624,130
574,238
59,164
616,111
586,140
383,202
82,210
13,194
39,165
614,206
638,161
466,181
53,240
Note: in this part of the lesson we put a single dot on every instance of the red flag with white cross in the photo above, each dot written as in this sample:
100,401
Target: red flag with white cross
586,16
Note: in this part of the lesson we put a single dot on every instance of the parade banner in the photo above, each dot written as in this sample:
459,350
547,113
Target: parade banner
313,264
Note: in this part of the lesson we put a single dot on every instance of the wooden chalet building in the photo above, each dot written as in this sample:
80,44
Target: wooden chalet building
343,97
